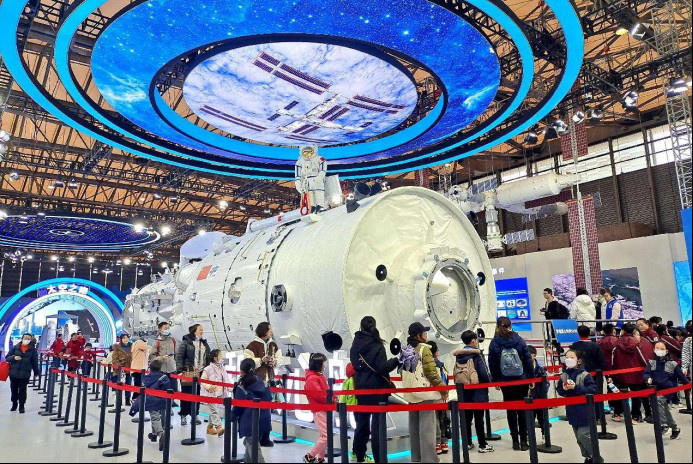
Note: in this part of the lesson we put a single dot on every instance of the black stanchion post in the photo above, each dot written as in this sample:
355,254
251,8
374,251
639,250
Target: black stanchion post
75,425
83,432
37,380
46,370
687,409
285,438
382,434
547,447
594,436
117,450
255,436
167,429
194,407
462,416
630,433
102,418
61,391
137,418
490,436
330,425
343,434
119,381
603,434
657,420
49,398
140,426
97,386
531,432
455,428
66,420
230,445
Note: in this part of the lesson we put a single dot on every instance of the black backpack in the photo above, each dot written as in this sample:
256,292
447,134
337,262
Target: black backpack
562,312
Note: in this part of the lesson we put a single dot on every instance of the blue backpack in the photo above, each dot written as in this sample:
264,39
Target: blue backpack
510,363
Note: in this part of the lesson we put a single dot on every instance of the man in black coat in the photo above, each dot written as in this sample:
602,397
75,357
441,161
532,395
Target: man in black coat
23,359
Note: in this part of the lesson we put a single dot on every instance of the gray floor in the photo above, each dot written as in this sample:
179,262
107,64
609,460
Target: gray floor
31,438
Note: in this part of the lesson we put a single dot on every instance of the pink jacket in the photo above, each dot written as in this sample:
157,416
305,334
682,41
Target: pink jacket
215,373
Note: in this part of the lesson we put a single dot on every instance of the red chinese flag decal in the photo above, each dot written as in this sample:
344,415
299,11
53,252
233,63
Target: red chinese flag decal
204,273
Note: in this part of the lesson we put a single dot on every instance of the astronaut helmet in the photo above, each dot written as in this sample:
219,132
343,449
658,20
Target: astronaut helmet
308,151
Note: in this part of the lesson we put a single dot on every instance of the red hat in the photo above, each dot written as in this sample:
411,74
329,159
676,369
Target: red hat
350,370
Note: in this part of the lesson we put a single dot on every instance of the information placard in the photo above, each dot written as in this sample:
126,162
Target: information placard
512,299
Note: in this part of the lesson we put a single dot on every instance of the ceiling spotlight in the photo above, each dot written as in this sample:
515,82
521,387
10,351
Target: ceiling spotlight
268,211
551,133
532,138
242,208
157,196
139,227
165,230
578,117
3,214
640,30
58,183
71,259
174,199
164,264
41,213
223,204
201,232
90,259
621,31
630,100
24,219
3,148
127,261
561,127
29,256
4,136
677,86
72,184
14,176
55,258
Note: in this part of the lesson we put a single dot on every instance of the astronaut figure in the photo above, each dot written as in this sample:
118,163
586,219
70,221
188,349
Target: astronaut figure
310,178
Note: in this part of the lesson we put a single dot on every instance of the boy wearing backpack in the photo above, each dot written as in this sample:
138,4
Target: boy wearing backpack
576,381
442,417
470,369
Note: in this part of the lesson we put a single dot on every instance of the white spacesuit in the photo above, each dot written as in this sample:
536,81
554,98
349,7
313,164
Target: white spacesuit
310,178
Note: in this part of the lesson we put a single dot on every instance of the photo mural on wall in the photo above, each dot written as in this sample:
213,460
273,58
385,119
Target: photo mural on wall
625,284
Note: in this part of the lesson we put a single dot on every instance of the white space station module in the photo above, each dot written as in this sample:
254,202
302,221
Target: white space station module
403,255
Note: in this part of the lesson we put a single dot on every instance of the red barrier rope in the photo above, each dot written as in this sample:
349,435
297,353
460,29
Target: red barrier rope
284,406
671,391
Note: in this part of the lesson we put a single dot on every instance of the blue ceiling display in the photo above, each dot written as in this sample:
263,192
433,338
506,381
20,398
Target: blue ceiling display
71,233
266,76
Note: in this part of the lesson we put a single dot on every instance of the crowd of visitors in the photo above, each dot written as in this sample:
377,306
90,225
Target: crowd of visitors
662,351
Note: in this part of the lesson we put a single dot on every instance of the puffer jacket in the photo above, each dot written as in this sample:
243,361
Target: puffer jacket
665,373
185,354
244,416
627,354
138,355
430,369
316,387
607,345
366,348
583,309
21,369
119,358
578,415
479,395
154,381
498,344
215,373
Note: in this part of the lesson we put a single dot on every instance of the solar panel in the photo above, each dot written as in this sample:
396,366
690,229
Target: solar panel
263,66
234,120
484,186
269,58
330,111
365,107
312,129
297,83
366,124
338,114
302,128
519,237
273,117
291,105
304,76
377,102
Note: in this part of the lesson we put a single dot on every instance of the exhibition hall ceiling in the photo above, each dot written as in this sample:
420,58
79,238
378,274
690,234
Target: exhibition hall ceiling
190,114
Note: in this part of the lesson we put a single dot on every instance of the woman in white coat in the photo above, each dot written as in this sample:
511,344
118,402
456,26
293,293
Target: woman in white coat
582,308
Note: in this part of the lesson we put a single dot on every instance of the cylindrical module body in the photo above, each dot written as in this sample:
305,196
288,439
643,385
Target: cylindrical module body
531,188
402,256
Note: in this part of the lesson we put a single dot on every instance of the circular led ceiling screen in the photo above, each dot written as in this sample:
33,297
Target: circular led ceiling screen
300,93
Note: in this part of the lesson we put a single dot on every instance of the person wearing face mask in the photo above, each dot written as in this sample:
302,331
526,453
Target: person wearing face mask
216,372
576,381
164,349
664,373
23,359
192,356
126,345
632,351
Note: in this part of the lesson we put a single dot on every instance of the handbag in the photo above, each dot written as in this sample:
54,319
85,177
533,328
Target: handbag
4,371
417,379
389,382
191,371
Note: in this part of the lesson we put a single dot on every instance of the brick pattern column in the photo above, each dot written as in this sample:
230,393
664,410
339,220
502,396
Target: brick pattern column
422,178
580,132
592,244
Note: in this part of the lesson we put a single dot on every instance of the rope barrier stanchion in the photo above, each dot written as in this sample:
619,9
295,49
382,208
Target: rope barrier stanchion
547,447
594,436
285,438
687,409
255,435
531,432
117,450
83,432
36,385
95,386
102,418
230,437
49,397
462,418
455,429
66,420
78,398
603,434
116,408
194,407
166,448
137,418
490,436
657,422
46,370
630,432
61,391
343,433
382,434
140,426
330,424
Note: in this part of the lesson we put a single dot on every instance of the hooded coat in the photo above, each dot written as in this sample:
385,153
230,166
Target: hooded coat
665,376
628,353
479,395
366,351
316,387
607,345
583,309
498,344
138,355
578,415
153,381
244,416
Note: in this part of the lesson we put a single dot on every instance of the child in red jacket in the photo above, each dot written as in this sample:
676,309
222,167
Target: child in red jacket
316,392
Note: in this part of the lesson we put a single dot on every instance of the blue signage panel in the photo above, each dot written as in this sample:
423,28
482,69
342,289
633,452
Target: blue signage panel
687,221
566,331
512,298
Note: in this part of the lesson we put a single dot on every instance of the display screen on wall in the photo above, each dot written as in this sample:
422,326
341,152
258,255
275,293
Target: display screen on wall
512,297
625,284
682,274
